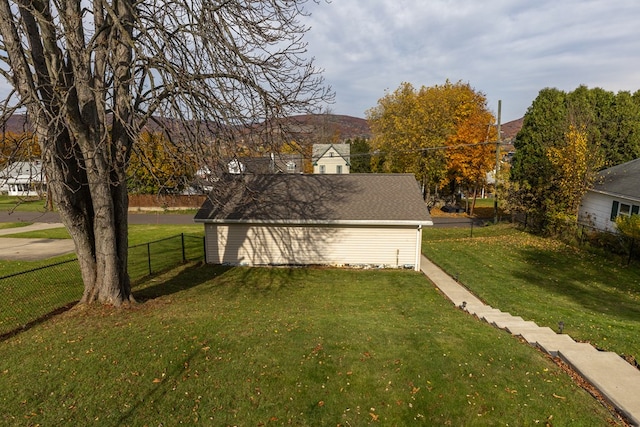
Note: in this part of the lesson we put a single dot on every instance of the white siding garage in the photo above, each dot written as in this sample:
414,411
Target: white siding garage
243,244
341,220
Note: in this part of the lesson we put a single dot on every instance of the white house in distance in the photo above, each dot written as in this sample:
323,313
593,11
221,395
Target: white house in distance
361,220
331,158
616,192
24,179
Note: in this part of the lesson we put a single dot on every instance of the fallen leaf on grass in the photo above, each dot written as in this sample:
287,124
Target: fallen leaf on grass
558,397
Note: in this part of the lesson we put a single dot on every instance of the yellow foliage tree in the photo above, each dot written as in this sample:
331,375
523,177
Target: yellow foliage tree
575,166
19,147
158,166
412,127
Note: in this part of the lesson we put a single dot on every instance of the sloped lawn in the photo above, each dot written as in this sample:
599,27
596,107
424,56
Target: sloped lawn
541,279
308,347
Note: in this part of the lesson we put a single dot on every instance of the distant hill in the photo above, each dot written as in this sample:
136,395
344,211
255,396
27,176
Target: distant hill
16,124
511,129
339,127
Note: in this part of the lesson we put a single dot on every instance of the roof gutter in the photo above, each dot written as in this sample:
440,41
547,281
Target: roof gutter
618,195
406,223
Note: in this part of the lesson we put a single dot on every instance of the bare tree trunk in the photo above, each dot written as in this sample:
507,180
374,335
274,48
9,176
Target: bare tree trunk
96,220
92,74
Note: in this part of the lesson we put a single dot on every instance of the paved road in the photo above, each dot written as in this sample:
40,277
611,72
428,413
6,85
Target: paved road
456,221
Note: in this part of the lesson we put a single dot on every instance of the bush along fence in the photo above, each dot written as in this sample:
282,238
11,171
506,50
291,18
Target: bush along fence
616,243
586,235
30,296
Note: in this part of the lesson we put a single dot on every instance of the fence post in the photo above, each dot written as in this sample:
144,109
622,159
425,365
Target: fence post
184,257
149,257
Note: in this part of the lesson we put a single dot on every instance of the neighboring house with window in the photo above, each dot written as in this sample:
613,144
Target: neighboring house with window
357,220
24,179
616,192
331,158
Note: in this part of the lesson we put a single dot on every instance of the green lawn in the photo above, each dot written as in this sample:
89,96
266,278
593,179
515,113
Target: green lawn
310,347
138,234
24,204
55,282
5,225
544,280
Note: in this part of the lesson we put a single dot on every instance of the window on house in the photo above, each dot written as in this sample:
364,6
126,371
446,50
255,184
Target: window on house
625,209
322,169
338,168
291,166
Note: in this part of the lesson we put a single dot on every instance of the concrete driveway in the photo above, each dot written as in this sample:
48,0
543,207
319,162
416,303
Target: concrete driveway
27,249
19,249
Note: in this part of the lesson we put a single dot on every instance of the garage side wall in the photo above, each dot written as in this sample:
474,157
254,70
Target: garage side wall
241,244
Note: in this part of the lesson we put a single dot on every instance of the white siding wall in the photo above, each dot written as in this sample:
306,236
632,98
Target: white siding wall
331,160
595,210
241,244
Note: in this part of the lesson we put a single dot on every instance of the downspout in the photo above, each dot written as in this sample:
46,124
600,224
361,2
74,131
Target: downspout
418,248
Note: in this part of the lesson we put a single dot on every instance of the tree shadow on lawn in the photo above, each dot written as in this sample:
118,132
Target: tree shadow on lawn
263,280
189,277
618,297
231,280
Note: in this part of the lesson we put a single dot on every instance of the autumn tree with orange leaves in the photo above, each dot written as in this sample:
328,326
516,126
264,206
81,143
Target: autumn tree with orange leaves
441,134
471,153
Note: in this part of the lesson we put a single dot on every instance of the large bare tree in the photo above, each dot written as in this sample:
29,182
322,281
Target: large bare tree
91,74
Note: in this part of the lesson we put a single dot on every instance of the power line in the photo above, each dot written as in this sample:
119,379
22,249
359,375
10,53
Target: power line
426,149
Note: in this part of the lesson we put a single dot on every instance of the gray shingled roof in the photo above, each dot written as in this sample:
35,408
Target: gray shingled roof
320,150
621,180
316,199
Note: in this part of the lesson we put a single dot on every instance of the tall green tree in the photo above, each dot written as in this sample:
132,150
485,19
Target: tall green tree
620,128
566,138
360,156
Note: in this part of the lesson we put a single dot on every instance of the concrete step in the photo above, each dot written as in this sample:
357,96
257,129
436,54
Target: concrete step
517,328
613,376
616,379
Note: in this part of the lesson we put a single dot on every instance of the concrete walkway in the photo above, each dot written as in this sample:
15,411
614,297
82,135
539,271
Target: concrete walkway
617,380
31,227
28,249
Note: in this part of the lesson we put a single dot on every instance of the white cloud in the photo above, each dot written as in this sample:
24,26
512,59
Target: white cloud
508,50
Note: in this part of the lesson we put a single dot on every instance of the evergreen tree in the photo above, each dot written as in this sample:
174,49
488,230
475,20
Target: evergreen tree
360,156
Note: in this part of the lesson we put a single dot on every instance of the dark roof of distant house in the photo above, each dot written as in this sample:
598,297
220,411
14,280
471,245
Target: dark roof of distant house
621,180
392,199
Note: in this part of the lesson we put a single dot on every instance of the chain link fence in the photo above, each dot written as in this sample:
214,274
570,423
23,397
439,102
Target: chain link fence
31,296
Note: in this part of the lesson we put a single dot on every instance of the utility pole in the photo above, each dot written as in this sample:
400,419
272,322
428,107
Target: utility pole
495,182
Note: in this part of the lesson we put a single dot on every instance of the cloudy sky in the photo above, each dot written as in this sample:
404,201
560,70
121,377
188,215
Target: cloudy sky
507,49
